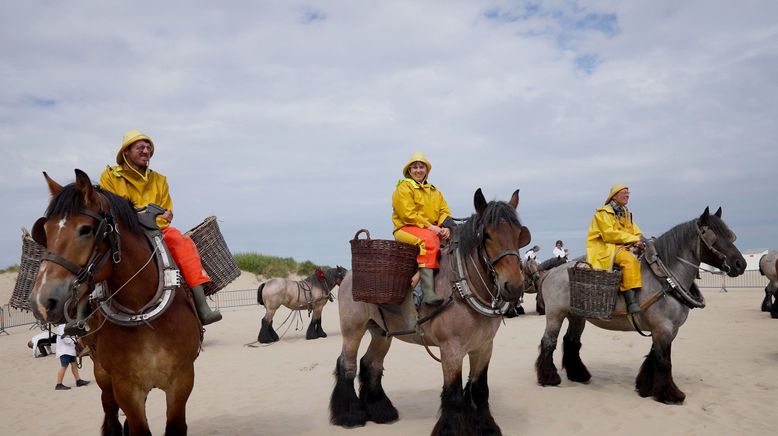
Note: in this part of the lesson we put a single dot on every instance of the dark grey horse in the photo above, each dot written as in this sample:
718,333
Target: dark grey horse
682,248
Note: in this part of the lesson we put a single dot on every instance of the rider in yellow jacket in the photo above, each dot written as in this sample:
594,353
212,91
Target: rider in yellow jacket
610,234
421,217
134,180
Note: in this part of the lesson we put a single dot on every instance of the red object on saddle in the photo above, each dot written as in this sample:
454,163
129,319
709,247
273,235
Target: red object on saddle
319,274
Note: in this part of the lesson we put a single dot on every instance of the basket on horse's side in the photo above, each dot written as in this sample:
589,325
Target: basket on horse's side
381,269
216,257
593,292
32,253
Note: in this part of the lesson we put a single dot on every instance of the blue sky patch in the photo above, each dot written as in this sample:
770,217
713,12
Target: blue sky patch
40,102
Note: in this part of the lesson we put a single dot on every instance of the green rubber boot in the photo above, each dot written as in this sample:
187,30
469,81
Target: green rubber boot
207,316
631,301
428,287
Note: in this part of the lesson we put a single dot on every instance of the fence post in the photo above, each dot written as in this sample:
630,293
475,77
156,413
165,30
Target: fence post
2,321
723,280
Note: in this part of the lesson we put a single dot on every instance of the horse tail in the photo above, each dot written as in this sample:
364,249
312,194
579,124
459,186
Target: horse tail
259,294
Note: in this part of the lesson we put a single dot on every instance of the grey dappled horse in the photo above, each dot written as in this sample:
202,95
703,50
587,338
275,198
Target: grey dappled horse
487,244
768,266
704,239
311,293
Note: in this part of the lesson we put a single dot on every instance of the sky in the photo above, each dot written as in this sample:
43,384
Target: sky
291,121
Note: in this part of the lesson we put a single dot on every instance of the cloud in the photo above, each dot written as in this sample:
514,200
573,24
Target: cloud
291,121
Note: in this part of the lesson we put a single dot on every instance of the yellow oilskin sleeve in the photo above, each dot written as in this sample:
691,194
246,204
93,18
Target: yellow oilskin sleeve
606,233
139,190
418,205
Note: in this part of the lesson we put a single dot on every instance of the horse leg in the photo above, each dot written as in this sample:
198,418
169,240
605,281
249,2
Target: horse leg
571,350
544,365
456,414
477,392
656,374
540,305
314,329
375,403
132,400
176,397
345,408
111,425
266,332
766,305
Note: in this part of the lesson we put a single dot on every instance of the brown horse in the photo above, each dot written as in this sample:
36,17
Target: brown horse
94,236
477,294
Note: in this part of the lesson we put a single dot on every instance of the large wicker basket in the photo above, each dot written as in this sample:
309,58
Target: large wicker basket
592,292
216,257
32,253
382,269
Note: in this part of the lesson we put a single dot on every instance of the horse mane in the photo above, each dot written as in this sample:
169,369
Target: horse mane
69,201
667,244
470,231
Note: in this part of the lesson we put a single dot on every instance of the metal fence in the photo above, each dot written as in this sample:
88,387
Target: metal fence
11,317
749,279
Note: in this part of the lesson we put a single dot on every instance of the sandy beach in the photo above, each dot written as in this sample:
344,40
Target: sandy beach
725,359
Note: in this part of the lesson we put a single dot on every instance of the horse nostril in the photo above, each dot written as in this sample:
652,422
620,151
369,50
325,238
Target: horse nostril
50,303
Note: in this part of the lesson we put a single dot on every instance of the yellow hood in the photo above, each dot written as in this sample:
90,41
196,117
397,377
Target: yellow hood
128,139
614,190
417,157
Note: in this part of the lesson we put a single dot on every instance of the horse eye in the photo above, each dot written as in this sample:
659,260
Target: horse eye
85,230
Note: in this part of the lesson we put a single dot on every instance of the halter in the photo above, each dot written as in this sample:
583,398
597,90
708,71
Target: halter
106,230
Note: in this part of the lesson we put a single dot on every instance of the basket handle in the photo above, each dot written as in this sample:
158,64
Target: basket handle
582,264
366,231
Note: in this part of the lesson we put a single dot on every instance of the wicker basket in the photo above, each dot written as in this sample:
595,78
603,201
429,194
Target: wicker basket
593,292
32,253
216,257
382,269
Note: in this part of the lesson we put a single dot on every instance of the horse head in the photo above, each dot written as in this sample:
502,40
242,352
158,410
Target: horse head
500,235
340,273
82,242
717,246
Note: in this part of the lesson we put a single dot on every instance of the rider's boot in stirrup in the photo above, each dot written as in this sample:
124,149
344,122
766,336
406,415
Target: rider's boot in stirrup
428,287
631,301
207,316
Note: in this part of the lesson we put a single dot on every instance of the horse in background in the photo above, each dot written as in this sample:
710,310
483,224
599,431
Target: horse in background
311,293
534,273
94,236
768,266
480,276
663,311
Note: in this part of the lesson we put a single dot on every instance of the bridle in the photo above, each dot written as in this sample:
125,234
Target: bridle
709,238
106,230
497,307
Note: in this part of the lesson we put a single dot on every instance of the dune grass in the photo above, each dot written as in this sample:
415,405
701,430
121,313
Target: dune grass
272,266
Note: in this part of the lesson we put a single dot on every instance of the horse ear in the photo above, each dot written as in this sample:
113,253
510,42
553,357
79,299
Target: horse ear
479,201
705,215
514,201
84,186
718,212
54,187
525,237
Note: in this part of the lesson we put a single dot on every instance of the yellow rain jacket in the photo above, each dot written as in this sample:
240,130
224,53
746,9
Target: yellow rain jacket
606,233
417,204
141,189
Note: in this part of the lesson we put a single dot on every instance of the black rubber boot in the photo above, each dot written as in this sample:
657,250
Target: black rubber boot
428,287
207,316
631,301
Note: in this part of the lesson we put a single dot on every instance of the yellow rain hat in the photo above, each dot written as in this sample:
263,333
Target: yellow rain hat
417,157
128,139
615,190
